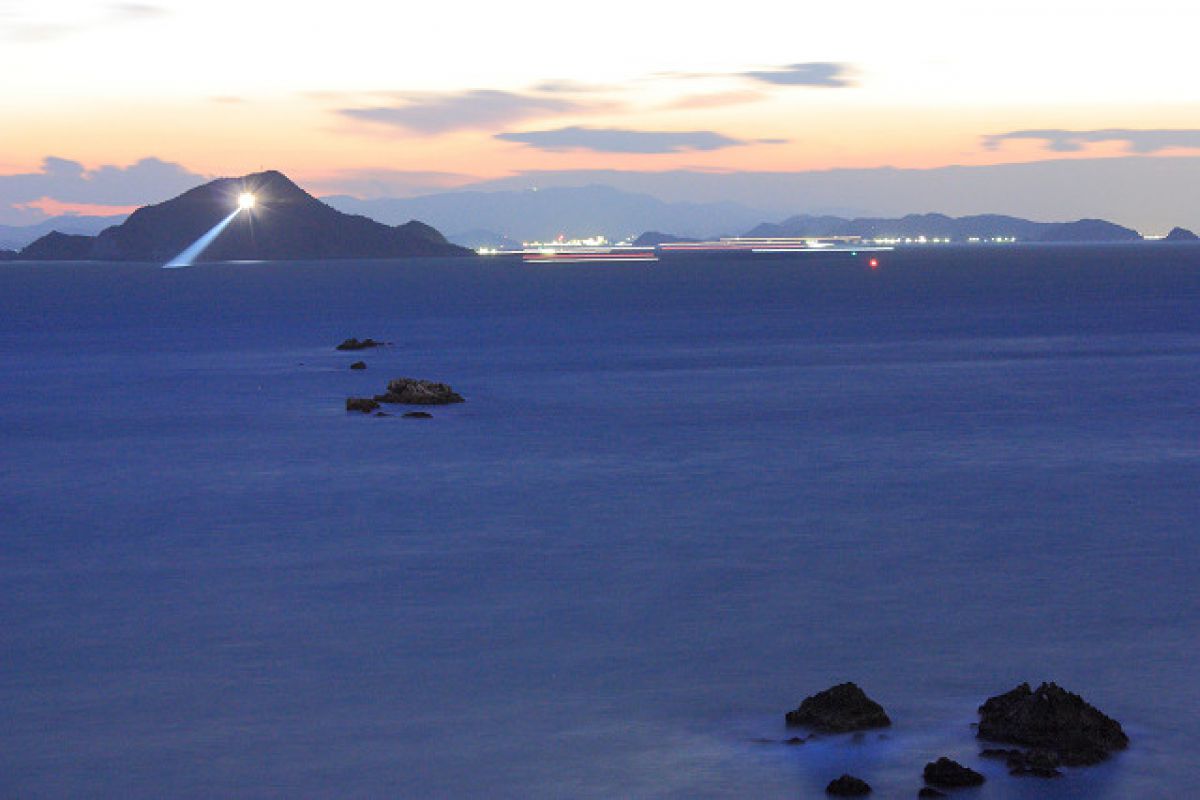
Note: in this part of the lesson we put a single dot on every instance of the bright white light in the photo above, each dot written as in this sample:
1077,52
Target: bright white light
245,201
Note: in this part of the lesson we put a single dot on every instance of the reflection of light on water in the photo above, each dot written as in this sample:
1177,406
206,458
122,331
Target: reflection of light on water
197,247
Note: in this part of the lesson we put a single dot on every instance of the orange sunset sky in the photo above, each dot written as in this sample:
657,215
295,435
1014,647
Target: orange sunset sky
402,97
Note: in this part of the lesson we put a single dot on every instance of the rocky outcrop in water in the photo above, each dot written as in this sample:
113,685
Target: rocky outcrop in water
363,404
840,709
848,786
1051,719
950,774
356,344
359,365
412,391
417,415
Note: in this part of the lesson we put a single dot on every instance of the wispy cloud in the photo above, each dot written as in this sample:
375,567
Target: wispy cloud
30,29
822,74
574,87
479,109
817,74
1135,141
620,140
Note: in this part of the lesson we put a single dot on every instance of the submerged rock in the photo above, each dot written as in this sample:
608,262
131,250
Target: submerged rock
359,365
363,404
417,415
930,792
1051,719
419,392
840,709
1038,763
355,344
848,786
950,774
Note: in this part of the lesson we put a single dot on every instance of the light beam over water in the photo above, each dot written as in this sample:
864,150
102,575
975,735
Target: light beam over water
197,247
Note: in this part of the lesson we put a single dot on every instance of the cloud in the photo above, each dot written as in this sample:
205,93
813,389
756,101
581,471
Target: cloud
825,74
1135,141
819,74
69,182
32,30
474,109
619,140
574,87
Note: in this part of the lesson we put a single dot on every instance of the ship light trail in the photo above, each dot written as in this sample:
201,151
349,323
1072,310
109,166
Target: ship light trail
245,202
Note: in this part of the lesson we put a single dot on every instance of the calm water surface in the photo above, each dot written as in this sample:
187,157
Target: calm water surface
679,498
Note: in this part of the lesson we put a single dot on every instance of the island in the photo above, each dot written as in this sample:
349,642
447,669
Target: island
285,223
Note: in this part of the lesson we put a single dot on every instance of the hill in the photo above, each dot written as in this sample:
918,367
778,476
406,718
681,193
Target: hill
286,223
14,237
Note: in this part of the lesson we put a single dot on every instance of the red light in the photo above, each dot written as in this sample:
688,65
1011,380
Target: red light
873,263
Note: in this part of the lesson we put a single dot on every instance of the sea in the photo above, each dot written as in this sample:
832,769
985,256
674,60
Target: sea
679,498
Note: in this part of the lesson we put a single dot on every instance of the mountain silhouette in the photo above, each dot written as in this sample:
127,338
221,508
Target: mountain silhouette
286,223
982,226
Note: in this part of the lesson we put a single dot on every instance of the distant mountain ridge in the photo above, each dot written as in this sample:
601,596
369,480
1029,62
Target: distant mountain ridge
957,229
14,237
532,214
286,223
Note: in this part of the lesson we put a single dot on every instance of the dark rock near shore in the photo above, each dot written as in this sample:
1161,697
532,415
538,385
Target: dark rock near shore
355,344
840,709
359,365
950,774
930,792
417,415
848,786
363,404
1051,719
412,391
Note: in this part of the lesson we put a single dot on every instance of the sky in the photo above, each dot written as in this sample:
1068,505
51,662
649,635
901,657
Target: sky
110,105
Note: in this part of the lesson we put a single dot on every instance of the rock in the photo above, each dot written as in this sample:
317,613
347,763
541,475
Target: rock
355,344
363,404
382,414
840,709
848,786
418,392
417,415
359,365
1051,719
950,774
1039,763
1178,234
930,792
